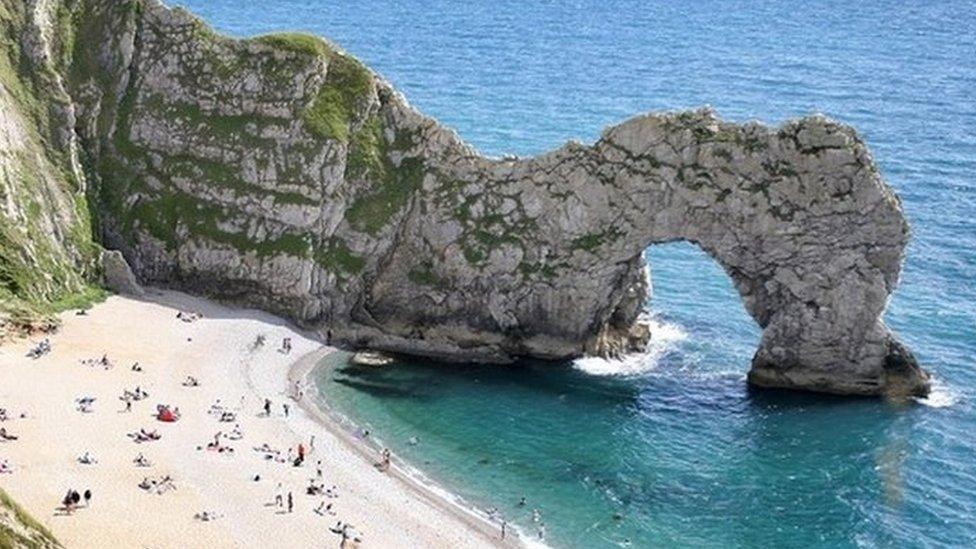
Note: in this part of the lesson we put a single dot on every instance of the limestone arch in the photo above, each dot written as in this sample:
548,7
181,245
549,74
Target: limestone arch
799,217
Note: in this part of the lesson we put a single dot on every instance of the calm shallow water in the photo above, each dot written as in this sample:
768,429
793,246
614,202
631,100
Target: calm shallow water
678,449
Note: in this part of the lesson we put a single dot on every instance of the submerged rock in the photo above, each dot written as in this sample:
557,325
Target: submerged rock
371,358
280,172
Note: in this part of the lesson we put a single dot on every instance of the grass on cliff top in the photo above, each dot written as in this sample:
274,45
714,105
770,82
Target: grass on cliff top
347,82
334,107
298,42
40,536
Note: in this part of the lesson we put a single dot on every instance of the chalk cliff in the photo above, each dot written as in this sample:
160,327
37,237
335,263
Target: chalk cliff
280,172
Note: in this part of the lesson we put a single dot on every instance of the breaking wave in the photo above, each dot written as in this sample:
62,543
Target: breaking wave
664,337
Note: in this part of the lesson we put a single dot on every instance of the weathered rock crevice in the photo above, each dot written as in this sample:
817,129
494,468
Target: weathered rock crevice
280,172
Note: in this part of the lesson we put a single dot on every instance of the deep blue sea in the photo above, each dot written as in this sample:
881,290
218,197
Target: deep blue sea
672,448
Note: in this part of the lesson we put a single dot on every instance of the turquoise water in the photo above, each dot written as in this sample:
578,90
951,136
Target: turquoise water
673,448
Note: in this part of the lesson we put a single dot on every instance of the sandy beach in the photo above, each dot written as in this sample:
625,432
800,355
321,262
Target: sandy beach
218,349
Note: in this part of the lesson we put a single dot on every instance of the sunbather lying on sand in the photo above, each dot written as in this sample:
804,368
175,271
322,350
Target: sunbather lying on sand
5,436
5,467
207,516
167,415
191,381
87,459
41,349
141,461
85,404
269,452
160,486
145,436
324,509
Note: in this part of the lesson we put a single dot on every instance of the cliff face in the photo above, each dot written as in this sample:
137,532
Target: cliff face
279,172
46,249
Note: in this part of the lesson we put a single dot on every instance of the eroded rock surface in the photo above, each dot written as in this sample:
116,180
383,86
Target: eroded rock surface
279,172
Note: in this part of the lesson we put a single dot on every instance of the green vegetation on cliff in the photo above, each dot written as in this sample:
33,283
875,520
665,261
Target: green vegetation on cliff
47,254
332,111
390,187
347,83
20,530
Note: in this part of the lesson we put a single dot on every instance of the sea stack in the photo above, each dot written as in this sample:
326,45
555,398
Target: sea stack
281,173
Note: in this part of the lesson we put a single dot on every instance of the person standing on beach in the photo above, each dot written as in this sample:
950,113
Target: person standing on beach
278,496
88,496
267,407
291,502
285,407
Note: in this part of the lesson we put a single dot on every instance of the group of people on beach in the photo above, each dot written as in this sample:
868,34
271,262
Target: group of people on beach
103,362
159,487
383,464
142,435
5,415
128,397
72,500
189,316
5,436
166,414
285,500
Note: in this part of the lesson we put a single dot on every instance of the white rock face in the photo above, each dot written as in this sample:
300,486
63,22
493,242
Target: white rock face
269,172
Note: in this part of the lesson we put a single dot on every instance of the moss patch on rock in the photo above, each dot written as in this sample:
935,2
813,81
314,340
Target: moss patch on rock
331,113
335,256
389,186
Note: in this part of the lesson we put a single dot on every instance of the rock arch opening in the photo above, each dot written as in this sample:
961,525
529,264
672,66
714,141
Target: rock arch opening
694,303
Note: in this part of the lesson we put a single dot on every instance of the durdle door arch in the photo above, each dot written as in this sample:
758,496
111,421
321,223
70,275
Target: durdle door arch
314,190
799,217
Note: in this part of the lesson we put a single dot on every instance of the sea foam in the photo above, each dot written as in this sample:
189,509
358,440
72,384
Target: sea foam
664,336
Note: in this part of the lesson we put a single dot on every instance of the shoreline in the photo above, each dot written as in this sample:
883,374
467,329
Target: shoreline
344,428
240,484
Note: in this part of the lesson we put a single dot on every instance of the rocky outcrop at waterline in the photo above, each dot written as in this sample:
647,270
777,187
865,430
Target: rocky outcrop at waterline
280,172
